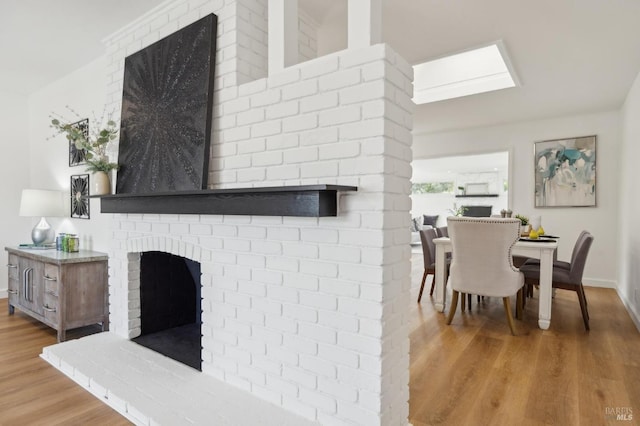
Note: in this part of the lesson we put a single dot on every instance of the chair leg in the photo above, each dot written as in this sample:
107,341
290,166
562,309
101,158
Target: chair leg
519,304
581,294
469,301
464,302
507,308
452,309
424,277
433,285
583,307
586,305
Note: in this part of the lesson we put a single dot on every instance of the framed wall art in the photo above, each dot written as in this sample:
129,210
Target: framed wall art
80,196
565,172
79,156
167,104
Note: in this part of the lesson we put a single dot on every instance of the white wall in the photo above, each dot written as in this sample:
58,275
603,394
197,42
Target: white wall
14,174
629,249
518,138
83,91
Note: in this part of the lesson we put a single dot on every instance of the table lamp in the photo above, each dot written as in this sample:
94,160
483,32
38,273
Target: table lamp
42,203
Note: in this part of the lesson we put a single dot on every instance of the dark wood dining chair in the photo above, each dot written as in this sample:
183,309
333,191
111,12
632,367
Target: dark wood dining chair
567,276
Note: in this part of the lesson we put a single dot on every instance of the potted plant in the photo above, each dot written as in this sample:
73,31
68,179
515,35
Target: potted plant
524,223
458,211
95,147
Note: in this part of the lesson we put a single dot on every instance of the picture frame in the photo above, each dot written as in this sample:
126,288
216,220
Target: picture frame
565,172
480,188
77,156
80,196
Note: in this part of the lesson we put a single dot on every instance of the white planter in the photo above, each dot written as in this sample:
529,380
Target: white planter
100,184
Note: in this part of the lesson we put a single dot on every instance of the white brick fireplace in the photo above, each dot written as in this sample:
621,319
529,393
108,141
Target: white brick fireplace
309,314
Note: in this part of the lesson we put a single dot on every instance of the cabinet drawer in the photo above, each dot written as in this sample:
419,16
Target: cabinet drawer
51,279
50,307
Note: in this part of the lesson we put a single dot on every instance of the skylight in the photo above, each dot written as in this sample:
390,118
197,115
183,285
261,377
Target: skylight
475,71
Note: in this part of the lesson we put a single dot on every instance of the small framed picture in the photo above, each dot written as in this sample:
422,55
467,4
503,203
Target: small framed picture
79,156
80,196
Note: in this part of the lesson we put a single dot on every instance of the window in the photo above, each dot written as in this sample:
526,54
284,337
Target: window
432,188
474,71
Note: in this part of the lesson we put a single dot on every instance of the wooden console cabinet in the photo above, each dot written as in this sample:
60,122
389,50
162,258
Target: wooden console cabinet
62,290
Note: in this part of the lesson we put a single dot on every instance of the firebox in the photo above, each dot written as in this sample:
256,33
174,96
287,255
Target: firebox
170,307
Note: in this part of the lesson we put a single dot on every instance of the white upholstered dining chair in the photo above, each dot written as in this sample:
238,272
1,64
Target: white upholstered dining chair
481,260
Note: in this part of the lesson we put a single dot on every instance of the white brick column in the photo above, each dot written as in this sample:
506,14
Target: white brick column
307,313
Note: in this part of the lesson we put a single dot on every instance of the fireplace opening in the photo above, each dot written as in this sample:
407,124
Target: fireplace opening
170,307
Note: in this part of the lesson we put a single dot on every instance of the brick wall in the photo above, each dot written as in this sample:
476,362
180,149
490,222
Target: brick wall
308,313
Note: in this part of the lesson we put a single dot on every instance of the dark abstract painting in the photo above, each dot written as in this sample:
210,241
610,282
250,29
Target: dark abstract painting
166,117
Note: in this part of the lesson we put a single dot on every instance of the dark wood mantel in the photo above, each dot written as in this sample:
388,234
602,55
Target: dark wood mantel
303,200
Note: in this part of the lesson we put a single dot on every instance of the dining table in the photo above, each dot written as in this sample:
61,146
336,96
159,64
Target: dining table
543,249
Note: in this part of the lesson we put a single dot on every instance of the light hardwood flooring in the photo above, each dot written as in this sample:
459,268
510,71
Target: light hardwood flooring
473,372
34,393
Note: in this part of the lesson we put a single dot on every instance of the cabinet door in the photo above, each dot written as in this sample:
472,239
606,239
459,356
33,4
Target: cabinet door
31,285
13,287
83,291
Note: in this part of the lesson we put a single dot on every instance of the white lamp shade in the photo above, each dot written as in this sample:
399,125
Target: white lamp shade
41,203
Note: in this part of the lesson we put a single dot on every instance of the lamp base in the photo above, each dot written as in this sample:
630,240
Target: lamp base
42,233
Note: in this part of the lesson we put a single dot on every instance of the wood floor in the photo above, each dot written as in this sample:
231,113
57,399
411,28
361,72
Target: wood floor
473,372
34,393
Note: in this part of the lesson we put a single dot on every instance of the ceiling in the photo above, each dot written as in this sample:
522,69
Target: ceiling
572,57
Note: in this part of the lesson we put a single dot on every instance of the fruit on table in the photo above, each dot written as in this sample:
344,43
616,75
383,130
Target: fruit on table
533,234
540,231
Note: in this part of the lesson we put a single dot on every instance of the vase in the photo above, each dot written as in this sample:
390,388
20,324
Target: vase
100,184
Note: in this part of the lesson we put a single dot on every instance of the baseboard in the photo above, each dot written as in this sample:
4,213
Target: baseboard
594,282
635,316
3,293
